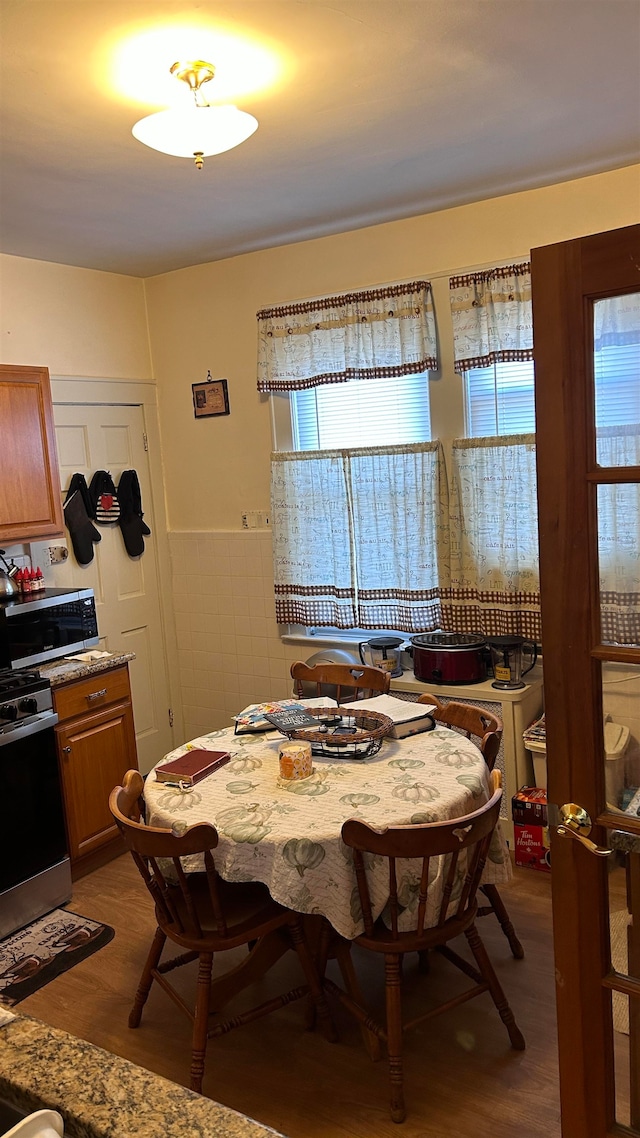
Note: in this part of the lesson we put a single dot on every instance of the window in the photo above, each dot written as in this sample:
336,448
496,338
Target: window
499,399
378,412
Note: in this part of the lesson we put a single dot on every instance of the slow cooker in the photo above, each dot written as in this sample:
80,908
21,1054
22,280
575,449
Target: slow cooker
449,657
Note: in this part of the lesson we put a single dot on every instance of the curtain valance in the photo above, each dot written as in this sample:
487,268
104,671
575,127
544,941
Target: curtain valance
492,316
382,332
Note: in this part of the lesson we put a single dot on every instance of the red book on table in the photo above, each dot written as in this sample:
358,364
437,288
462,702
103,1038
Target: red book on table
193,766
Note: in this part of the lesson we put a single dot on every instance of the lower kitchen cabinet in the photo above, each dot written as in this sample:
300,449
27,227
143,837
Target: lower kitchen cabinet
96,746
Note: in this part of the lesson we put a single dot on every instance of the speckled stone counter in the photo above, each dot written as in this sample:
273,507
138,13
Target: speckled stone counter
64,671
102,1096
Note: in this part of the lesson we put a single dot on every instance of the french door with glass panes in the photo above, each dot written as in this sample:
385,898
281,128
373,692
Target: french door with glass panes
586,314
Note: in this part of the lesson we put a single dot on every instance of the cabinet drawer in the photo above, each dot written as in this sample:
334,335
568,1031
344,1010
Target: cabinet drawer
91,694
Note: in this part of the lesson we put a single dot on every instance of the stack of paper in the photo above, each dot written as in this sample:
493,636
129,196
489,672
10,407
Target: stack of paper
409,718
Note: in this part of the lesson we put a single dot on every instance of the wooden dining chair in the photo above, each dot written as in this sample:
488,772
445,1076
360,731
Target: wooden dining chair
203,914
456,913
485,729
342,682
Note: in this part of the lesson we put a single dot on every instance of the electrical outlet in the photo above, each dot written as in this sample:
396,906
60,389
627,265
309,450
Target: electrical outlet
255,519
57,554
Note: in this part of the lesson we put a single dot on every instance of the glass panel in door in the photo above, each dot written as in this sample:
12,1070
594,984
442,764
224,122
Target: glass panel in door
616,377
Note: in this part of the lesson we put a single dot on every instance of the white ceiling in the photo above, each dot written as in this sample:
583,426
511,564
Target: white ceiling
383,109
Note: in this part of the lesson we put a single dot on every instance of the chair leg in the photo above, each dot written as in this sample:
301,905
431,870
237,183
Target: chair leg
498,906
146,980
313,980
497,995
393,998
351,983
201,1021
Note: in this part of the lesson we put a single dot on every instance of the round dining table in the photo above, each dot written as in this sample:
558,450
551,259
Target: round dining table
288,835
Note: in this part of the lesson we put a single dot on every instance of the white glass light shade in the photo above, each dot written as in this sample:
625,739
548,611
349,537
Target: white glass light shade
195,130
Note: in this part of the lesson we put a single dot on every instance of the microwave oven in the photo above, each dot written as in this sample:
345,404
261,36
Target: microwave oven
55,623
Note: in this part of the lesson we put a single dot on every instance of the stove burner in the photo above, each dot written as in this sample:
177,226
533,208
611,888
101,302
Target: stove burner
11,680
25,697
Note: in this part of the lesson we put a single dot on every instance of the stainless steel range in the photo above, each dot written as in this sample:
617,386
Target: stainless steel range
35,874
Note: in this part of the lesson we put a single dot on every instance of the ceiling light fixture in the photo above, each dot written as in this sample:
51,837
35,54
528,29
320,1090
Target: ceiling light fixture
195,131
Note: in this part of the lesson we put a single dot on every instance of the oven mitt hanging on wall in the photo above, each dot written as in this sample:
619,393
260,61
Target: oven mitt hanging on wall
131,517
105,509
82,531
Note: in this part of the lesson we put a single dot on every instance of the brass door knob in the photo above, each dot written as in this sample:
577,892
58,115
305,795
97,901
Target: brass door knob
575,823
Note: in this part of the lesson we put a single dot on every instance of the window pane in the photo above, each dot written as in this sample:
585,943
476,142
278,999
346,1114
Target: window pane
500,399
619,562
373,412
623,881
616,365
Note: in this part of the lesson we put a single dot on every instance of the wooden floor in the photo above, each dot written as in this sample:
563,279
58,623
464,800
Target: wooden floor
462,1078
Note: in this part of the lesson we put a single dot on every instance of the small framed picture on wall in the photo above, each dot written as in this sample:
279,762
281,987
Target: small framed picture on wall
210,398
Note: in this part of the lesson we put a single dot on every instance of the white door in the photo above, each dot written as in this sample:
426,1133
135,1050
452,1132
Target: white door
95,437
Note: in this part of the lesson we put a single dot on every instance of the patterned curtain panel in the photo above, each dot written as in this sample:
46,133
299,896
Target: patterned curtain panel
619,539
492,316
361,335
494,584
360,537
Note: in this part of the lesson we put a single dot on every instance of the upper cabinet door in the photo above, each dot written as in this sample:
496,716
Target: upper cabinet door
30,499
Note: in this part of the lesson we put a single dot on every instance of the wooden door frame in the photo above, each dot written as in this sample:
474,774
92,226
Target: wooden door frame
563,275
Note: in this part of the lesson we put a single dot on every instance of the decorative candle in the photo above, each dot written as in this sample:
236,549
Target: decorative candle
295,760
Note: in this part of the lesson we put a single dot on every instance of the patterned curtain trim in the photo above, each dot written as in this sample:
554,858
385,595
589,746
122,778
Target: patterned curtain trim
354,452
326,304
493,358
484,275
494,441
492,621
374,334
492,316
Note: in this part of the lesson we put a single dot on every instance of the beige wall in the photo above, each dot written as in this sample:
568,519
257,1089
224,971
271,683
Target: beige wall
204,317
229,650
77,322
81,322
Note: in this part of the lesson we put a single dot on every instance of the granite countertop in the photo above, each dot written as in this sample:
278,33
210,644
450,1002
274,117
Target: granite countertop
100,1095
64,671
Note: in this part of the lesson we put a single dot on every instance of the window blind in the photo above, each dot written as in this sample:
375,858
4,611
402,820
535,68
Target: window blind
380,412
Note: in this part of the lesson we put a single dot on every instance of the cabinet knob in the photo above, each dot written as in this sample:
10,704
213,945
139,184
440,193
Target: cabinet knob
97,694
66,750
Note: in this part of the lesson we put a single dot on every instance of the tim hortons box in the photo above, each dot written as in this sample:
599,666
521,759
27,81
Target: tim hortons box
529,806
532,847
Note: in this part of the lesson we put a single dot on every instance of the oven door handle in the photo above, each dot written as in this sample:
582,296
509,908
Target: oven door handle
22,731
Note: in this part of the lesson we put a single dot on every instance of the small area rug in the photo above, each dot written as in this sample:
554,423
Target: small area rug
43,950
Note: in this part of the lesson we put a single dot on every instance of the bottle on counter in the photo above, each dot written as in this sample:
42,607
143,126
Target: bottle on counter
40,585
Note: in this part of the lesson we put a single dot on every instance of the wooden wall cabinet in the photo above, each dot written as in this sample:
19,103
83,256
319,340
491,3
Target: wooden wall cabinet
30,499
96,746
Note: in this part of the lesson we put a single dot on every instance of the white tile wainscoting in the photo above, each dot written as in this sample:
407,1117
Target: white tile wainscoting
229,647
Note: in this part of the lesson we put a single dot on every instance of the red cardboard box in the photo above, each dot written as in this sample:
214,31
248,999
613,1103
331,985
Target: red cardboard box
532,847
529,806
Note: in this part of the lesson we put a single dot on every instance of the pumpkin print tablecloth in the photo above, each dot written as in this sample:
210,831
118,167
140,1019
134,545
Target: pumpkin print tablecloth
289,837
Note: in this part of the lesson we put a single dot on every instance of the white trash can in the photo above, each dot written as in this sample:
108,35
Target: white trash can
616,741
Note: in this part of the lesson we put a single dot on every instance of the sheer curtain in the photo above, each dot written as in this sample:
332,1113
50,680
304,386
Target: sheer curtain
494,584
360,537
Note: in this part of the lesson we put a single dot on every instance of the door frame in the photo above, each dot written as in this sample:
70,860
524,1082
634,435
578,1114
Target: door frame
79,390
565,279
